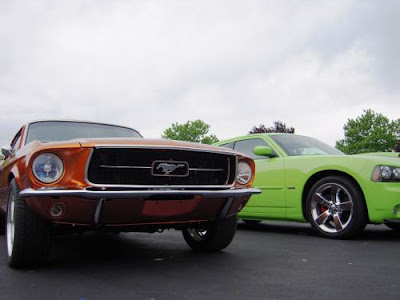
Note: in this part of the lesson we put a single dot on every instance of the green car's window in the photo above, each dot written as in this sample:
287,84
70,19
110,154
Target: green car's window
296,145
228,145
246,147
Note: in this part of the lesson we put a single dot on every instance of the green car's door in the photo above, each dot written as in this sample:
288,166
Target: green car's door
270,179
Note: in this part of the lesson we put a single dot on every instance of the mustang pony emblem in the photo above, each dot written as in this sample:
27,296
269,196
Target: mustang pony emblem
169,168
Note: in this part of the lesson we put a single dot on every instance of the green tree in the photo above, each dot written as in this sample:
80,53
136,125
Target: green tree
191,131
371,132
278,127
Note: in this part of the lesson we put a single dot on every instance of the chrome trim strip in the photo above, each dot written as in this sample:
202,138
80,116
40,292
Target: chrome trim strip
123,167
130,194
206,170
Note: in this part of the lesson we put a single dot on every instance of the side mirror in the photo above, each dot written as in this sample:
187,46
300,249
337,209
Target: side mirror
262,151
6,151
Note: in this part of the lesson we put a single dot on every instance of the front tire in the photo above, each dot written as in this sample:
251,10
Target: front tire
214,236
336,208
28,235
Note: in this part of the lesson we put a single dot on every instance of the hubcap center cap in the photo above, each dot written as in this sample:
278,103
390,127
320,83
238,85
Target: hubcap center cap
333,208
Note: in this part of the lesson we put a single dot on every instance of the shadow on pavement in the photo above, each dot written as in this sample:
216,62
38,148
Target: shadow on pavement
137,251
371,232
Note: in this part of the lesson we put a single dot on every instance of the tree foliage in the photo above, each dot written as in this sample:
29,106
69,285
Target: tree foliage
397,148
191,131
371,132
278,127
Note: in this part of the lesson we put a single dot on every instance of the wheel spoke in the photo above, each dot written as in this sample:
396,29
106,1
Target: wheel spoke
345,206
338,222
321,199
322,218
334,193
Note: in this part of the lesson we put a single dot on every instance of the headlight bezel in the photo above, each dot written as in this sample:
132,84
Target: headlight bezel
385,173
55,166
244,174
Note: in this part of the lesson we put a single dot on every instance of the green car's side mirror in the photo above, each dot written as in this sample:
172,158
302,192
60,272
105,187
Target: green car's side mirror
262,151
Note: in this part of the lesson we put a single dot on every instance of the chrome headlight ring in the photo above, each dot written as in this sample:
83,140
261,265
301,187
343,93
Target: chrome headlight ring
244,173
48,168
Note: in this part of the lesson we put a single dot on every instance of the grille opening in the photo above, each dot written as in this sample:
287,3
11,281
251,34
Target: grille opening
133,166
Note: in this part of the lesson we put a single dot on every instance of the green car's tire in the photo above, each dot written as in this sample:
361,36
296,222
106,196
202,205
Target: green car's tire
252,222
215,236
393,226
28,235
336,208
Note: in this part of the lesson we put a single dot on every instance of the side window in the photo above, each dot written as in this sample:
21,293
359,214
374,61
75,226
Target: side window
16,141
246,147
229,145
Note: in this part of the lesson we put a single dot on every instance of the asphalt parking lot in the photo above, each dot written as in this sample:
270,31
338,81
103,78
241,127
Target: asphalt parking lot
271,260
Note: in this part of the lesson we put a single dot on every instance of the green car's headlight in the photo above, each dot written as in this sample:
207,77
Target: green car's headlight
386,174
244,173
48,168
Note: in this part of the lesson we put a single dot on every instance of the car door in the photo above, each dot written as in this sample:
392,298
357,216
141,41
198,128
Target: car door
270,179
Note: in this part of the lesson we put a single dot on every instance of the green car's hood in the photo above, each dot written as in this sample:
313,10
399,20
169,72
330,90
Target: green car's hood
388,158
386,154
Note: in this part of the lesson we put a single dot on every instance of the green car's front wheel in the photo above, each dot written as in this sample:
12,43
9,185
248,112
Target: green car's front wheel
335,207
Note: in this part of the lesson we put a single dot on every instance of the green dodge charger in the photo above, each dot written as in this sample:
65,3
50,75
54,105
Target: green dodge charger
305,180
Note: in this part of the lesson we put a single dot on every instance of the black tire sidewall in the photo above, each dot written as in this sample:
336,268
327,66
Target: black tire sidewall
32,238
220,234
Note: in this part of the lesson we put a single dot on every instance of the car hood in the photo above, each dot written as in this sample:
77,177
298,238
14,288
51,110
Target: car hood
380,157
386,154
130,142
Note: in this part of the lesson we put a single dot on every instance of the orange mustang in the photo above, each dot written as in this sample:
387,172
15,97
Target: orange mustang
86,175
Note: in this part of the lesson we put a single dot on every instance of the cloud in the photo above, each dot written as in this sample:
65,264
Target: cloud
234,64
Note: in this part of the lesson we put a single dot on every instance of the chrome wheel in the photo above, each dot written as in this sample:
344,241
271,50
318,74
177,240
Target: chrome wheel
10,224
332,207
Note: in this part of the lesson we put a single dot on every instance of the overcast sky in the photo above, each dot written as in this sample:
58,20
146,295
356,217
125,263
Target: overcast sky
234,64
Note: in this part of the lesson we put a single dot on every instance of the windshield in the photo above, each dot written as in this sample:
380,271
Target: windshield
295,145
53,131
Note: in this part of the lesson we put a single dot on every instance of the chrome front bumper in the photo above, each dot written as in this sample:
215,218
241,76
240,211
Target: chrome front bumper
100,196
129,194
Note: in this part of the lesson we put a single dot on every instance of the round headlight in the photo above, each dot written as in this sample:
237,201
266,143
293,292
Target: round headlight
396,173
47,168
386,172
244,173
